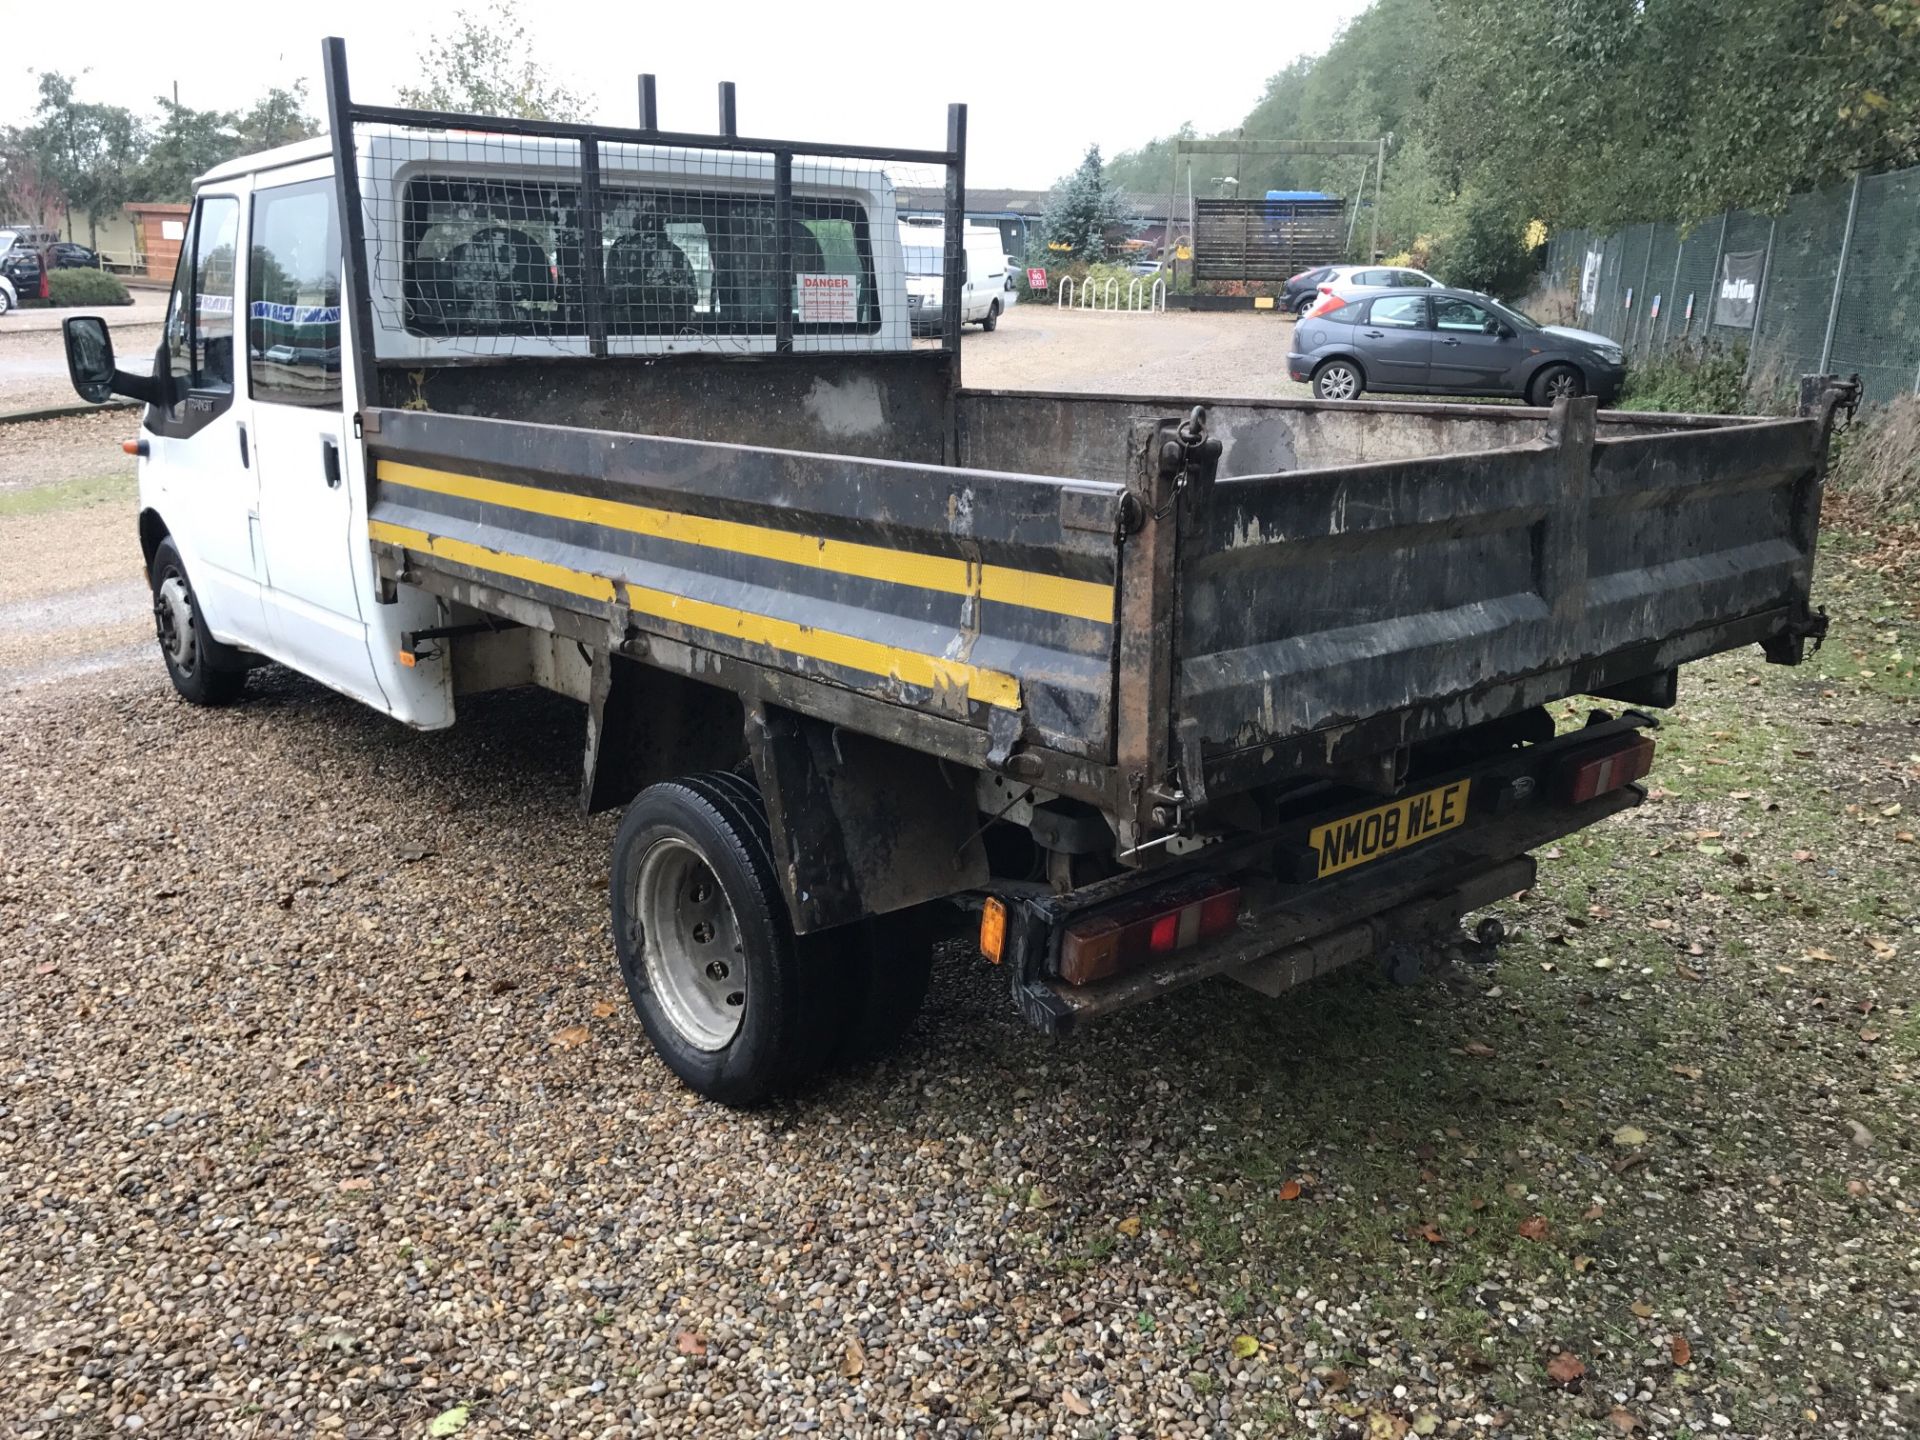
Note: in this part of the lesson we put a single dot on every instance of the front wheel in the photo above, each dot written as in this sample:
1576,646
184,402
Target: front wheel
1305,307
203,670
1557,382
733,1003
993,316
1338,380
6,302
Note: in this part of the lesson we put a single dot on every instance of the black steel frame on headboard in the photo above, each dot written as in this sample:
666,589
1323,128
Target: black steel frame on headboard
343,113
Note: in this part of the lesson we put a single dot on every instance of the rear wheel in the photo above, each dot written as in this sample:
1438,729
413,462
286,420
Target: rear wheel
993,316
1338,380
1305,307
735,1005
1557,382
203,670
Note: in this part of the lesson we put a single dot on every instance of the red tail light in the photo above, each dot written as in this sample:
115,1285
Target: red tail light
1329,302
1104,945
1588,773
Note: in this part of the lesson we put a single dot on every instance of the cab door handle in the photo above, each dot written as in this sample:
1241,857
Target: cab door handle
245,460
330,461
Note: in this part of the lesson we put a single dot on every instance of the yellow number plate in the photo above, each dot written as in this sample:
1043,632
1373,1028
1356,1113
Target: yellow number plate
1356,839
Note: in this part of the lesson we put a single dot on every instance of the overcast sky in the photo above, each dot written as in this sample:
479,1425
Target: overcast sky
1038,89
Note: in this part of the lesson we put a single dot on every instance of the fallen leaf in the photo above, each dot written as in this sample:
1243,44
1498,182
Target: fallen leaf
1565,1369
1688,1072
1623,1420
1903,837
1687,972
1426,1423
1804,857
1129,1227
1817,953
358,1182
1290,1190
1628,1136
449,1422
1860,1135
856,1358
571,1036
1478,1050
1070,1398
1338,1380
688,1343
1642,1309
1245,1347
1582,1264
1890,810
1605,962
603,1008
1682,1351
411,854
1881,948
1593,1212
1041,1198
1534,1228
1431,1235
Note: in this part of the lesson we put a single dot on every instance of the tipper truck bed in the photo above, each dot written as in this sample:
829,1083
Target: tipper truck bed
1156,687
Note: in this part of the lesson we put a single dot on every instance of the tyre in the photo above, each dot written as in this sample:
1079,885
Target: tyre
203,670
1305,307
733,1002
1554,382
886,966
1338,380
6,301
993,316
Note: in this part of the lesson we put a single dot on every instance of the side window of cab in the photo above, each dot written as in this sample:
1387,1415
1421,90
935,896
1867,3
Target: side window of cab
200,314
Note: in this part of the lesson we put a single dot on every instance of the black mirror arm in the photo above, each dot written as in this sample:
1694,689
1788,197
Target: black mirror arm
149,389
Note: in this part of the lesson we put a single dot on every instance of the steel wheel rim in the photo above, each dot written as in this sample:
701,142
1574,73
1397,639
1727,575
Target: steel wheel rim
1337,382
173,623
690,943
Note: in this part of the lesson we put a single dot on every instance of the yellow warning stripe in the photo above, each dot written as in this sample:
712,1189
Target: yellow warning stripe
930,672
1055,594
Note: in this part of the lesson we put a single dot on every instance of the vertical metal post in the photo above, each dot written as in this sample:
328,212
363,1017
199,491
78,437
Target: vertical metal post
1840,275
1379,178
729,118
1673,290
593,258
783,250
1646,268
1760,300
954,262
357,311
649,104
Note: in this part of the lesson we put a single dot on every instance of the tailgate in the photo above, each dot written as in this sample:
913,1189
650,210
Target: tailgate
1329,614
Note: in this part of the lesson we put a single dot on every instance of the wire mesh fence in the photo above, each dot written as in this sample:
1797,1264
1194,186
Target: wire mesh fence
1830,283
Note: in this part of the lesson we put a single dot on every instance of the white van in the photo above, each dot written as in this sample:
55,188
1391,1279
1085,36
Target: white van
924,246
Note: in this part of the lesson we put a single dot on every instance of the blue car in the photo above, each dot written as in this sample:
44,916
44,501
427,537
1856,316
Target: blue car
1446,342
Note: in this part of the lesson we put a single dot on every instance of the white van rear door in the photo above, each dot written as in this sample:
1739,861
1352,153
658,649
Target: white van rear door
309,527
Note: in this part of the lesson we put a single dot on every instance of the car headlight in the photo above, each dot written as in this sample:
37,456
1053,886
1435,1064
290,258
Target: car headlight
1612,354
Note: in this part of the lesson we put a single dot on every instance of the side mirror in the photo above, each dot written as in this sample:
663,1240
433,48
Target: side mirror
90,366
89,357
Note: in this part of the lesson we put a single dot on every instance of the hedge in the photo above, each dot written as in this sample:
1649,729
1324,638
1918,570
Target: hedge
86,287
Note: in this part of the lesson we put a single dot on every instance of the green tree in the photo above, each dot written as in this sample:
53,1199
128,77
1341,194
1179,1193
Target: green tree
484,65
190,142
87,153
1083,208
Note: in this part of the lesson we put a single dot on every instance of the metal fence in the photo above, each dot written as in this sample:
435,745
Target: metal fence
1831,283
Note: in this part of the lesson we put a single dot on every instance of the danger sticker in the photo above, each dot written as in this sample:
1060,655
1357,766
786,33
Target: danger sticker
829,299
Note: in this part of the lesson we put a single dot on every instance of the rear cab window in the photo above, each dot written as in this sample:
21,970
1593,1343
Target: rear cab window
293,296
504,257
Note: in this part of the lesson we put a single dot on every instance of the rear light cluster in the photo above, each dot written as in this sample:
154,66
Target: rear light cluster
1104,945
1329,302
1582,776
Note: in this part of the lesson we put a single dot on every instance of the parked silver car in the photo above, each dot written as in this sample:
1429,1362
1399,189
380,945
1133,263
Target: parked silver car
1446,342
1304,290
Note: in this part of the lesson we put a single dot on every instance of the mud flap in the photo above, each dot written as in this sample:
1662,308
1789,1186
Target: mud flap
861,826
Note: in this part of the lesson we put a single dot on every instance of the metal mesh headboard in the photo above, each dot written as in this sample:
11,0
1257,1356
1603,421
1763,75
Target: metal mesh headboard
482,236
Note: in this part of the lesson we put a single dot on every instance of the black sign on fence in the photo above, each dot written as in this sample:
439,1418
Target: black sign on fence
1265,239
1734,302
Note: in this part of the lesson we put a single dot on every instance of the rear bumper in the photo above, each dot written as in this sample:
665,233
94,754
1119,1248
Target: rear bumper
1299,368
1291,930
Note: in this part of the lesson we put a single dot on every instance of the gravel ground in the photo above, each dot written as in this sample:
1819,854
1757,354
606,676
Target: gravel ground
323,1113
1182,352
